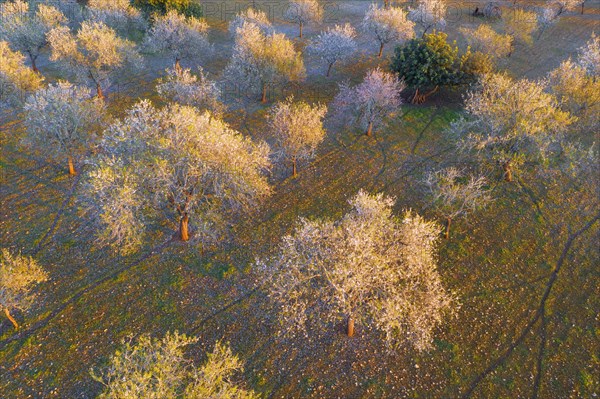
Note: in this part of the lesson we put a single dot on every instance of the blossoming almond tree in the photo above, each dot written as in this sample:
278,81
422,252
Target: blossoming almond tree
16,79
368,268
334,45
179,37
298,129
488,41
512,121
175,165
387,25
429,14
95,54
117,14
252,16
261,60
369,101
589,55
18,276
25,29
185,88
62,121
302,12
453,193
158,369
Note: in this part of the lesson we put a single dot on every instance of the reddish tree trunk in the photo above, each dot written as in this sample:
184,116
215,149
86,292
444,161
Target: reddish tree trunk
72,171
507,171
369,131
301,26
33,65
183,228
381,50
350,327
447,231
177,65
12,319
99,92
264,93
329,69
294,171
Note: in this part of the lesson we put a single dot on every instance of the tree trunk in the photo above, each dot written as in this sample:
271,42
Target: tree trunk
71,167
447,231
99,91
183,228
582,6
177,65
294,171
369,131
33,65
264,93
381,50
416,97
350,327
12,320
507,171
301,26
329,69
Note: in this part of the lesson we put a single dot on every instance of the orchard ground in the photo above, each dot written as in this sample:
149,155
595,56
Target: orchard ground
498,261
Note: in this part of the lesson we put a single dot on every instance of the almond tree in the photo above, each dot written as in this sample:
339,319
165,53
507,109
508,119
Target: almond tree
578,91
488,41
158,369
62,120
261,60
184,88
26,30
370,101
179,37
302,12
251,16
174,165
520,24
18,276
454,193
333,45
368,268
429,14
298,129
589,56
16,80
511,121
95,54
387,25
117,14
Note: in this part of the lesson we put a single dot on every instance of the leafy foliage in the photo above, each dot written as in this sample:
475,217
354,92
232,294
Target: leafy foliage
369,266
18,276
189,8
16,80
95,54
158,369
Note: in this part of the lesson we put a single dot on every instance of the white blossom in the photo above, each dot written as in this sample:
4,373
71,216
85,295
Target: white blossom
251,16
334,45
175,164
298,129
370,101
117,14
179,37
429,14
367,267
589,55
387,25
16,80
26,29
302,12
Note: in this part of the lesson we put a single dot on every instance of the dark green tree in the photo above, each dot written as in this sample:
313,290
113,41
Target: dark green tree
186,7
429,62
